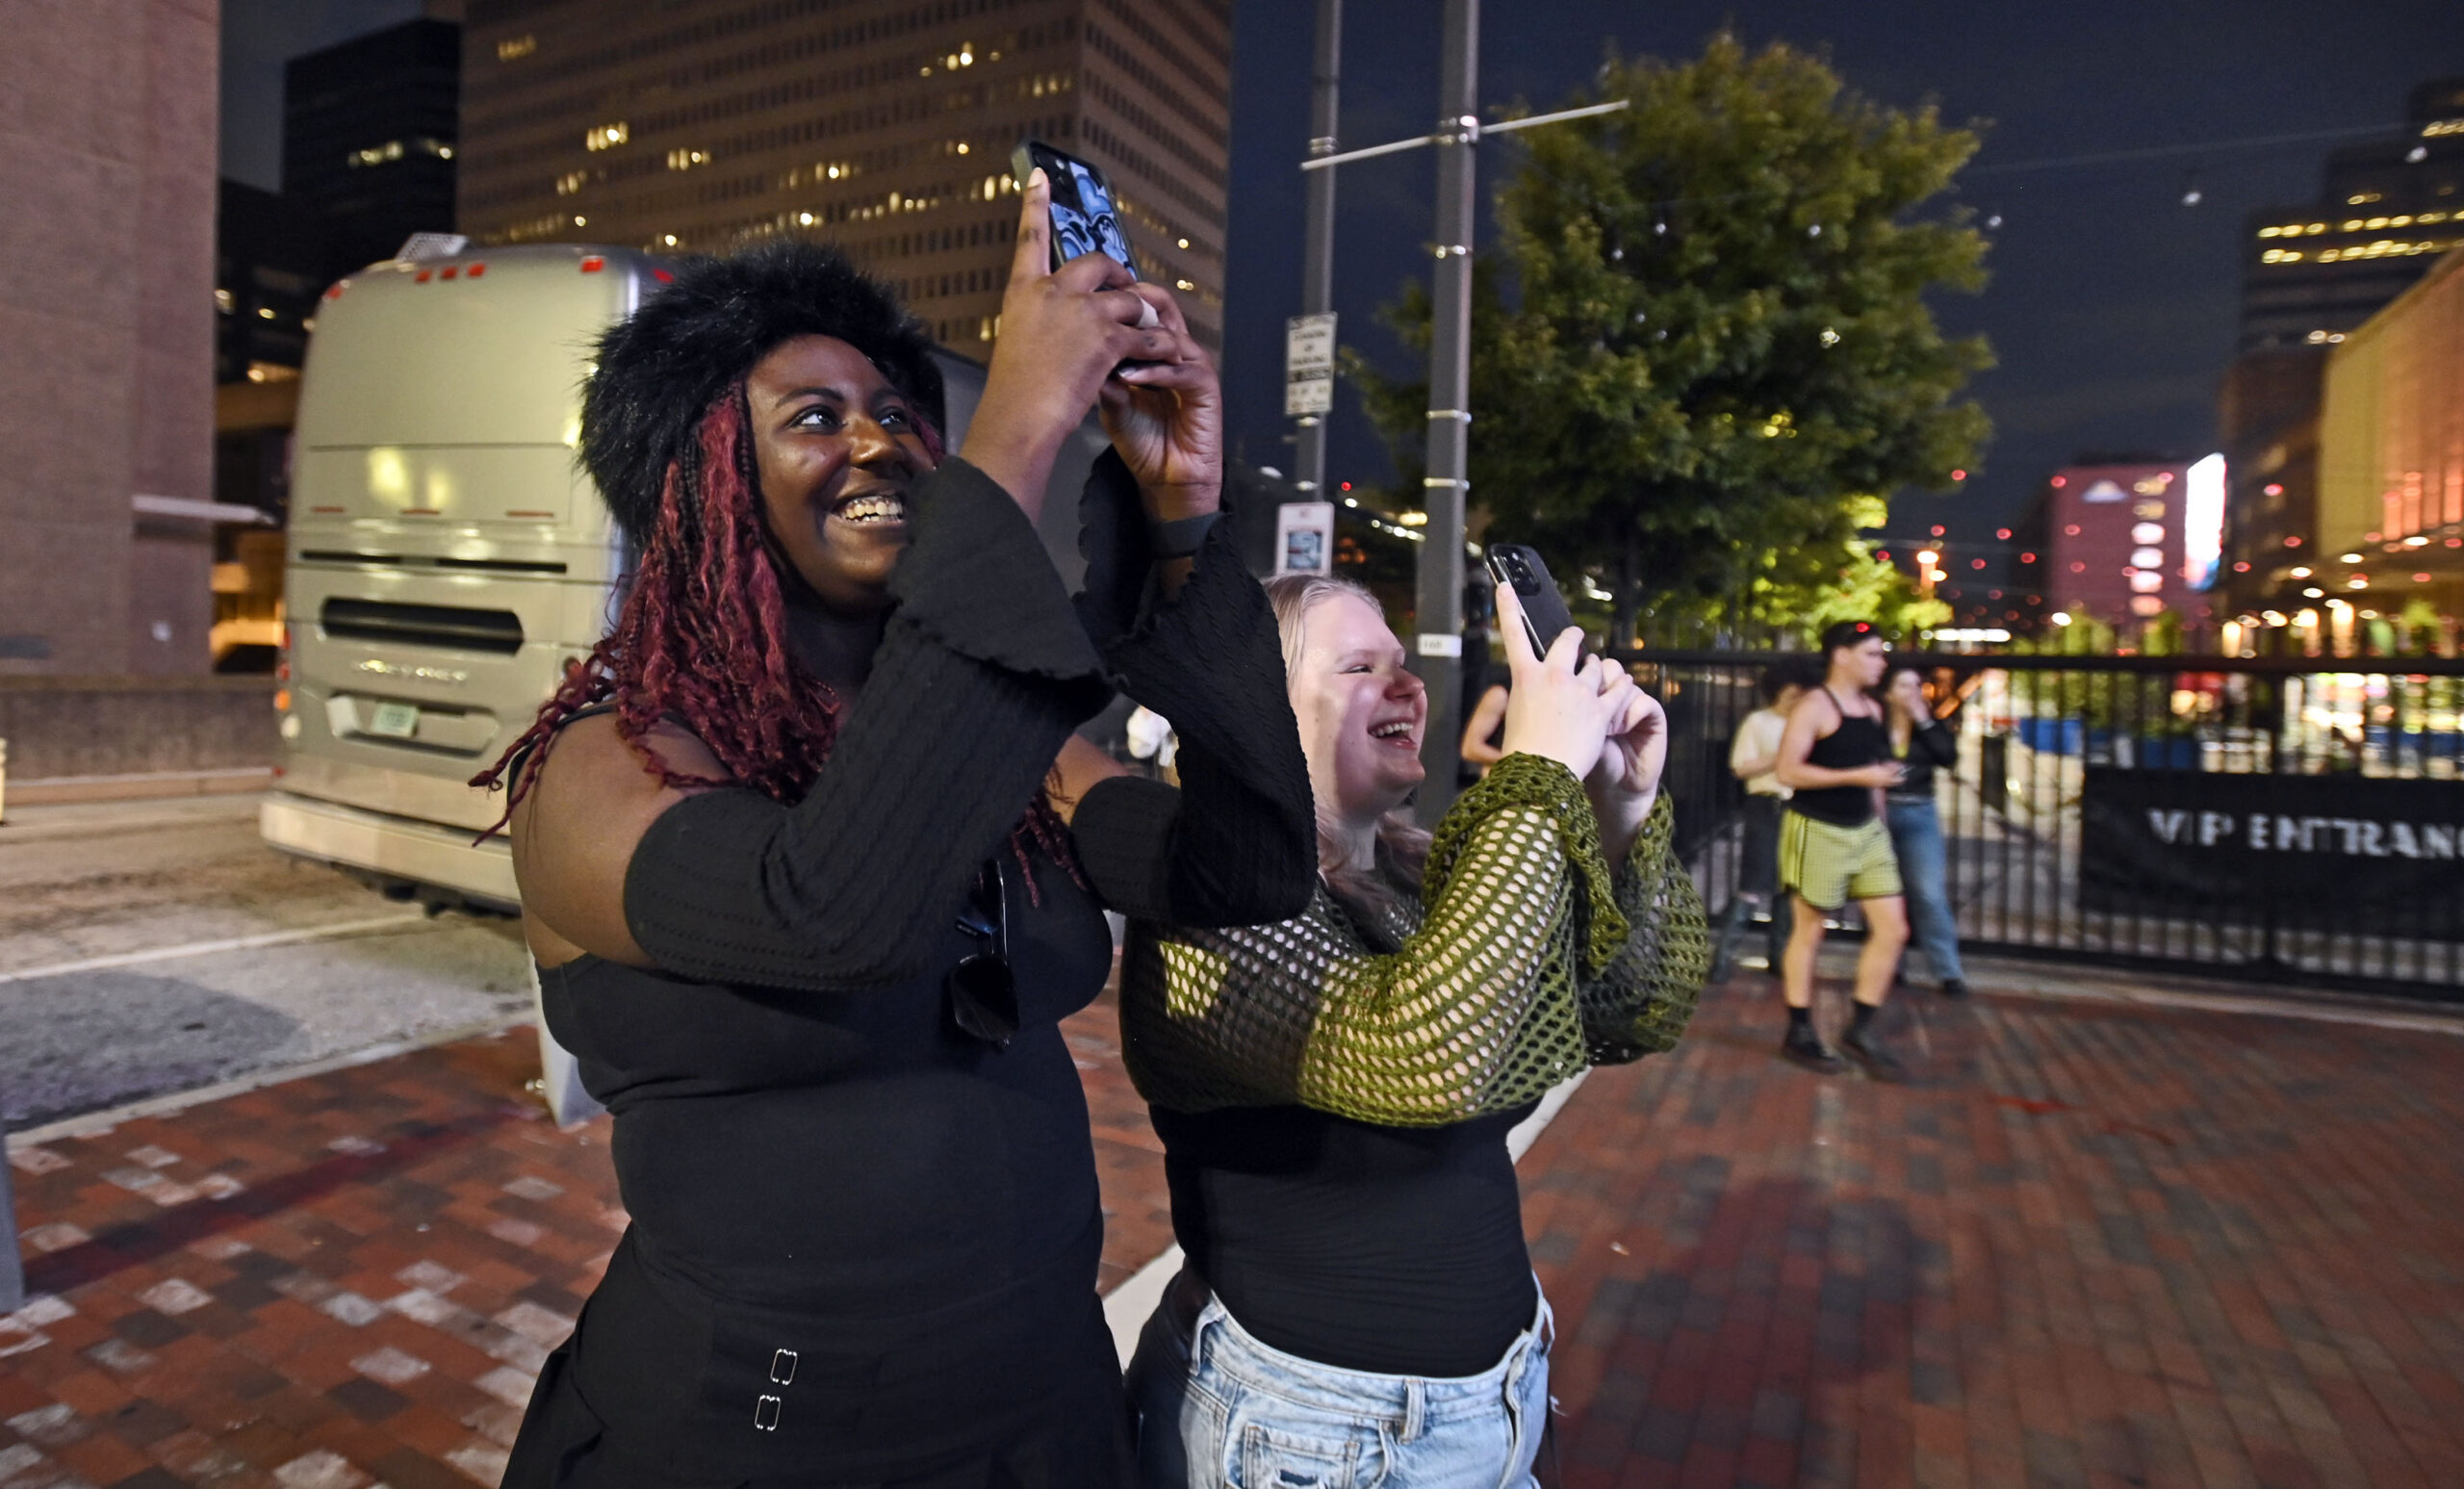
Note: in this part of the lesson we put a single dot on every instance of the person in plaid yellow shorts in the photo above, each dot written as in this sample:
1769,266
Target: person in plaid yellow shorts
1834,846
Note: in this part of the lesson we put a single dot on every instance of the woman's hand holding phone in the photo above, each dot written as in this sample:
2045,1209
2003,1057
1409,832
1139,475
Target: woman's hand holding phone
1165,416
1063,332
1561,706
1625,785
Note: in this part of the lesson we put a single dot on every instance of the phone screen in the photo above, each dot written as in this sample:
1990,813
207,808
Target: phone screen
1084,217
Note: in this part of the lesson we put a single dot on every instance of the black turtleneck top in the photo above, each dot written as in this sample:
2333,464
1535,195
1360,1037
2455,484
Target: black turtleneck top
814,1158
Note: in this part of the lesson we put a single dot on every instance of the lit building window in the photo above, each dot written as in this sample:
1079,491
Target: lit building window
571,181
686,160
606,137
224,302
515,48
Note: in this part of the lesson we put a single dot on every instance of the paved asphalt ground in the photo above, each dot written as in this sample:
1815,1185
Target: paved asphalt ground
150,947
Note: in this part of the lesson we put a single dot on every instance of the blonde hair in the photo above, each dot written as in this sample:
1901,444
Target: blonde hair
1404,842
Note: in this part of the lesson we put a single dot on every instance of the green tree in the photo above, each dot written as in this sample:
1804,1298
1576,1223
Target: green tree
1706,338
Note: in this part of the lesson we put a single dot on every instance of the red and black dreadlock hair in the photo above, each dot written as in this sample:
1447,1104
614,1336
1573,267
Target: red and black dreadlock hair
702,636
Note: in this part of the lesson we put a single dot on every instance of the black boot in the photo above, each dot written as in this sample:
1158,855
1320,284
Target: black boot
1954,987
1863,1046
1805,1048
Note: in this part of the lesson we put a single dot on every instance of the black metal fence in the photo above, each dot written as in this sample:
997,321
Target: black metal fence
2284,819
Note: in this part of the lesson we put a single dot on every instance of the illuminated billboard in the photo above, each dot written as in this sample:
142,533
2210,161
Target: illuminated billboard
2202,521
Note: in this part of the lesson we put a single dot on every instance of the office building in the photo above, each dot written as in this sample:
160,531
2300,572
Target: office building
2390,519
268,268
2387,209
2311,275
369,137
2126,540
107,312
884,125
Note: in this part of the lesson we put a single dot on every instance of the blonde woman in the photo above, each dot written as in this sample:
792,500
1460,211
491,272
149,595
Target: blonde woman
1334,1090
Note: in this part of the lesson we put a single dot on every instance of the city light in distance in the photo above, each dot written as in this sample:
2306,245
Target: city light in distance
2004,533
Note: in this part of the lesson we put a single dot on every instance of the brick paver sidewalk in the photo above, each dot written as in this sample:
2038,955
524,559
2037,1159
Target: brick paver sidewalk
353,1276
2097,1245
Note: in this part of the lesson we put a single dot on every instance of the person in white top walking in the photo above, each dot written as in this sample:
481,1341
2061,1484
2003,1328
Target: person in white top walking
1754,757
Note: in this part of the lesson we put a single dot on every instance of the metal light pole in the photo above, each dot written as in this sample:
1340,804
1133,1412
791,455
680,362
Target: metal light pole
1318,248
1438,649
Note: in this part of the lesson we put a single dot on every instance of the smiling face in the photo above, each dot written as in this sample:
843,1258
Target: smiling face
836,448
1361,711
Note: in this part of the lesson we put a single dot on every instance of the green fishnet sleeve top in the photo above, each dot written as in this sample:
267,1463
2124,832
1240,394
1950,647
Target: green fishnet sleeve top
1523,961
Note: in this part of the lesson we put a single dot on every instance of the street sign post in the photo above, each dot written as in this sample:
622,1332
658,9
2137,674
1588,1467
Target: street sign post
1318,244
1304,538
1309,364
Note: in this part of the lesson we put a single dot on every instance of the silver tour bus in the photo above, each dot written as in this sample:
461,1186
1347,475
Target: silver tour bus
447,557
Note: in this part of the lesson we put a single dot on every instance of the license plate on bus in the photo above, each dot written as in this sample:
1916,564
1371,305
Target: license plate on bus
395,721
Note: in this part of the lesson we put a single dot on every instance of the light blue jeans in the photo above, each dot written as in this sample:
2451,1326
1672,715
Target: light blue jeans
1219,1410
1924,868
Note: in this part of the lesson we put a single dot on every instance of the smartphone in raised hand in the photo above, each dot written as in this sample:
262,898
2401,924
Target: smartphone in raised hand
1086,216
1545,617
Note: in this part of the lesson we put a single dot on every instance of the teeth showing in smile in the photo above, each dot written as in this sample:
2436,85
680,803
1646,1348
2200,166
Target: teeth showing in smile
1394,730
873,509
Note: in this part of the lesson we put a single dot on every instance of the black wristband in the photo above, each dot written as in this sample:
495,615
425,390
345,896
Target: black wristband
1181,537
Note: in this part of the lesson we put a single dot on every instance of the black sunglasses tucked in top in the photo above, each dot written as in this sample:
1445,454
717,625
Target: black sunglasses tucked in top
983,996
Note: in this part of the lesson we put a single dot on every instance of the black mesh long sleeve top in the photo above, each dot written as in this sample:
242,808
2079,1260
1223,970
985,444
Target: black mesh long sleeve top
864,1245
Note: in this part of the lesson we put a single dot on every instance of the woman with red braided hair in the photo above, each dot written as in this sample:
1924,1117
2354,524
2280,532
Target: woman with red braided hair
813,867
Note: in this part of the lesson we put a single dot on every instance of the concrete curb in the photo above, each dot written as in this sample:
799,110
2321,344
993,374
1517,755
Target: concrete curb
56,789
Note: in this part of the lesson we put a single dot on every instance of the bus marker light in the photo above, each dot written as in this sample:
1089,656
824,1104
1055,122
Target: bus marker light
422,276
478,268
662,276
593,264
452,270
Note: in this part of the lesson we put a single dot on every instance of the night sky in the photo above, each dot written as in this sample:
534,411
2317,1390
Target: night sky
2111,307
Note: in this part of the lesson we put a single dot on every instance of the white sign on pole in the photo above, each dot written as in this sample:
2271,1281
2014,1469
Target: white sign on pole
1309,364
1304,538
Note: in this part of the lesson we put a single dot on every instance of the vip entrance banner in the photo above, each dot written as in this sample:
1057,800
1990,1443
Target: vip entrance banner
2325,852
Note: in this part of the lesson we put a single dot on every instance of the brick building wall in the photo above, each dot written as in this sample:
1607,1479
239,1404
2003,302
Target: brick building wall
108,132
